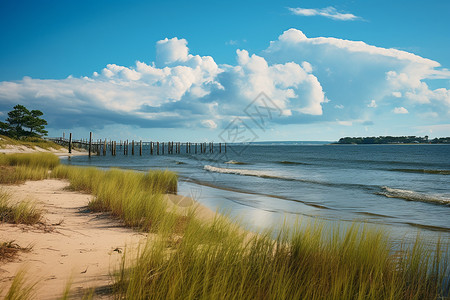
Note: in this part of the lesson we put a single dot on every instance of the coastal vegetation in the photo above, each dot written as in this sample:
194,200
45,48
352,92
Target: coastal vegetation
393,140
28,142
24,212
195,259
22,122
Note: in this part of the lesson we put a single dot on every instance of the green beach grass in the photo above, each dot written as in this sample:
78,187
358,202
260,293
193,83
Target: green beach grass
219,260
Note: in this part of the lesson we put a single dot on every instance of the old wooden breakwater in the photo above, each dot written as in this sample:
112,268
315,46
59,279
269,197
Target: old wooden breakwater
104,147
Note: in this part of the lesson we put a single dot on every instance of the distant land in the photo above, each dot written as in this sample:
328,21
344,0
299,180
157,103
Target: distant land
393,140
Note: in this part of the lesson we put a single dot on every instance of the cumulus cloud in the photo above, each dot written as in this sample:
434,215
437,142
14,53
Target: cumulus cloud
309,79
349,71
328,12
400,110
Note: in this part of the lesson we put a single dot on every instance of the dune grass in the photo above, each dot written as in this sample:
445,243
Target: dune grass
22,288
41,159
29,142
23,212
16,168
219,261
136,198
9,250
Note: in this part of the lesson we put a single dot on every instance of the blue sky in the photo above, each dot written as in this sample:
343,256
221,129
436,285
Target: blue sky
186,69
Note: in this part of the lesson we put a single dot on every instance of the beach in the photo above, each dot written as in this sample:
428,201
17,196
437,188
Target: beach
114,234
71,244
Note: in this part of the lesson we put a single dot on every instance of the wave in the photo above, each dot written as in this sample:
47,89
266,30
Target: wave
413,196
272,175
234,162
439,172
244,172
287,162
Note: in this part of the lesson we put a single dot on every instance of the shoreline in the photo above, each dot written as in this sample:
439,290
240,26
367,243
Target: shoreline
63,152
72,244
78,231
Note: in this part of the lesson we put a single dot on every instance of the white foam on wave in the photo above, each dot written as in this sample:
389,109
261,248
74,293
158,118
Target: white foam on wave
413,196
235,162
244,172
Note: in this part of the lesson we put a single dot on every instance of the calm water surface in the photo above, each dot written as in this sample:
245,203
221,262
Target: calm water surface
403,188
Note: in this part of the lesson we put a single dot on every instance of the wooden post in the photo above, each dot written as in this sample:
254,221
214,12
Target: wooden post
157,148
151,148
140,148
90,143
104,147
225,147
162,148
220,147
70,142
195,148
124,148
132,147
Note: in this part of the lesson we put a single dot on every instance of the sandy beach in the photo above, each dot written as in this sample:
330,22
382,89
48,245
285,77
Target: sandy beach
9,149
71,243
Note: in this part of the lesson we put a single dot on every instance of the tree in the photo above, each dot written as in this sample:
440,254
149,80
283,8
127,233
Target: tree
35,123
19,118
4,128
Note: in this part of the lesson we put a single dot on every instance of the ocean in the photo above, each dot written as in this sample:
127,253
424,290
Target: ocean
404,189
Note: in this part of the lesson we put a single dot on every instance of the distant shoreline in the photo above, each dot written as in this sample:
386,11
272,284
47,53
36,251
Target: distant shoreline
392,140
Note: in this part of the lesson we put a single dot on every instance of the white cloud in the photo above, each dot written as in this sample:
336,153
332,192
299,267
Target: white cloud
400,110
328,12
310,79
372,104
169,51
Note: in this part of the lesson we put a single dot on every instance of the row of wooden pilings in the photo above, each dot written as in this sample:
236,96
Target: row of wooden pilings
154,148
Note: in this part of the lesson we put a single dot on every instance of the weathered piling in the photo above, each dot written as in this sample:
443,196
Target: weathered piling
162,148
151,148
140,148
104,147
157,148
90,143
70,142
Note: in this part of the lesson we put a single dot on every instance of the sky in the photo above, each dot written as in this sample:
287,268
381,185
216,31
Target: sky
230,71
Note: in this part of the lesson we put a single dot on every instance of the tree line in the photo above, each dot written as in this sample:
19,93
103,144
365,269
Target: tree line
394,140
22,122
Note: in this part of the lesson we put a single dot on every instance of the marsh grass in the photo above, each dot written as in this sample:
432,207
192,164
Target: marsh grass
23,212
313,261
29,142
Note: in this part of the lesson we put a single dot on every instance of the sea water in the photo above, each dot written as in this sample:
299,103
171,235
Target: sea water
404,189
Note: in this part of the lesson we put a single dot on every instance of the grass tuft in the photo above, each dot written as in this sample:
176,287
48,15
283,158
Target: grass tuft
19,289
313,261
9,250
24,212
